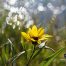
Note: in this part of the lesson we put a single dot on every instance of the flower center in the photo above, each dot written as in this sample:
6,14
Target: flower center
35,42
35,38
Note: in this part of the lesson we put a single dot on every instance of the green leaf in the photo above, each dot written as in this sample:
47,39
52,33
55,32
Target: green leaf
48,60
40,49
36,52
16,56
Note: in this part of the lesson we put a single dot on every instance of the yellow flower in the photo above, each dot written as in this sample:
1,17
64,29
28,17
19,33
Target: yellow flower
35,35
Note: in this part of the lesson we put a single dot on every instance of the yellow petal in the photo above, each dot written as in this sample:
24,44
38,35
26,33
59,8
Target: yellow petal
26,36
40,32
45,37
34,31
39,41
32,39
30,32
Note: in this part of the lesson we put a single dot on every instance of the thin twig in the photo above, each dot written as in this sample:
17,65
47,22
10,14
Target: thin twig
46,47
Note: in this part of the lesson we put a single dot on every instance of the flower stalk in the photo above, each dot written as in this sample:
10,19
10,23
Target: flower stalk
31,56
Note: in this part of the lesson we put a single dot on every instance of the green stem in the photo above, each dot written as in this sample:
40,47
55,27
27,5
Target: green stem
31,57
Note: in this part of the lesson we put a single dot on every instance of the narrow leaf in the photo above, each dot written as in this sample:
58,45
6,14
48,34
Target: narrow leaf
51,58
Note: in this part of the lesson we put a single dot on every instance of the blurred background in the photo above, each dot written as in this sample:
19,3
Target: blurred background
18,15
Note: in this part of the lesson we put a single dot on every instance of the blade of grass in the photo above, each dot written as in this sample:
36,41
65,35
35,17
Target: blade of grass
51,58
